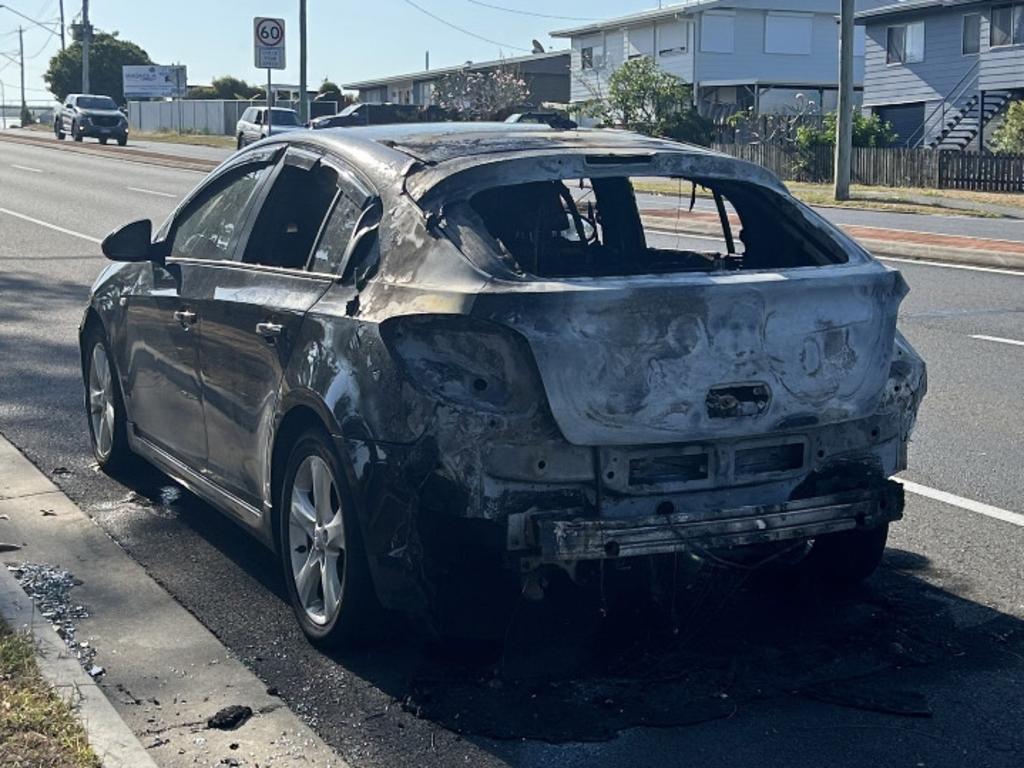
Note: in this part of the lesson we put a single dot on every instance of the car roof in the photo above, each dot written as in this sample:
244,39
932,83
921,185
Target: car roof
384,151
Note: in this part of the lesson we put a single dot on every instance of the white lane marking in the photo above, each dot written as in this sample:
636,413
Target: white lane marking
988,510
48,225
150,192
683,235
970,267
25,168
999,339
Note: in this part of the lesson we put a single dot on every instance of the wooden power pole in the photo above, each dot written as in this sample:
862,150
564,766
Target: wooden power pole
844,107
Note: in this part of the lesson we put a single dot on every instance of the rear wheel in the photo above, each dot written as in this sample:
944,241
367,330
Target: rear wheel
846,559
104,406
322,552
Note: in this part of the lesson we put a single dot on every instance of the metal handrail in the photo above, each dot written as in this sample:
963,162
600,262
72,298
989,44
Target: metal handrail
954,94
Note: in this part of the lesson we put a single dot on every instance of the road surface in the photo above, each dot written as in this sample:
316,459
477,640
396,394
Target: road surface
922,667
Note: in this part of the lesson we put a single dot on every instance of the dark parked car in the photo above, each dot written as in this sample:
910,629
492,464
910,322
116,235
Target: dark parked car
428,360
97,117
369,114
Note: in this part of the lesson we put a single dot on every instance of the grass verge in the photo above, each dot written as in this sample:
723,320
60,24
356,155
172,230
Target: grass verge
37,728
195,139
891,199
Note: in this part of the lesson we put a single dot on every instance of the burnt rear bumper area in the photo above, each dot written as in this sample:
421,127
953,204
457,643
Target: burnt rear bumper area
559,537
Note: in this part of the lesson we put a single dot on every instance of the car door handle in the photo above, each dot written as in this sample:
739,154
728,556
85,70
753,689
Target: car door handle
269,331
185,316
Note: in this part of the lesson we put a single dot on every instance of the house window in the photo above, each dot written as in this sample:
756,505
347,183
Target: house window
971,33
672,38
787,33
1007,26
717,31
640,42
591,57
905,43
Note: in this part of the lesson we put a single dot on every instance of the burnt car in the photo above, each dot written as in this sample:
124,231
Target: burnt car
420,359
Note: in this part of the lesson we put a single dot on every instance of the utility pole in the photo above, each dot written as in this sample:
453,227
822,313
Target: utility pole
21,57
303,90
86,39
844,107
62,25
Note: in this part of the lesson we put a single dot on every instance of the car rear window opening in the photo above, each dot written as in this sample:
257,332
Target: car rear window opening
620,225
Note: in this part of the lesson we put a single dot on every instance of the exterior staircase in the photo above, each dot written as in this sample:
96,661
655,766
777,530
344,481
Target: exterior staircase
962,124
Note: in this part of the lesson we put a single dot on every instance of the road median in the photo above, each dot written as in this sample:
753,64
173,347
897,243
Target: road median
111,152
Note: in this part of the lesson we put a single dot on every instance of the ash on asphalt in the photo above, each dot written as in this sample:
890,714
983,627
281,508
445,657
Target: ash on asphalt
582,666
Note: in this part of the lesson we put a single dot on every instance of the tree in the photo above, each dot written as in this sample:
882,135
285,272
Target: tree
328,87
480,95
642,97
1009,136
227,87
868,131
107,54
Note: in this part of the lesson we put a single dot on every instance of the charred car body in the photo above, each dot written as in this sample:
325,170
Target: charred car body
403,356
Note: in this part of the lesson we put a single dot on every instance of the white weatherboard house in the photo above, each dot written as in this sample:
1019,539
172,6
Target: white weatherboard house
943,72
739,54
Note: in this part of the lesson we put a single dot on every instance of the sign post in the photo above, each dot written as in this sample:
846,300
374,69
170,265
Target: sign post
268,39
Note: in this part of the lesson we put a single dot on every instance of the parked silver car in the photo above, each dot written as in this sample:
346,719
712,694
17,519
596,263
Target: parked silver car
435,366
252,125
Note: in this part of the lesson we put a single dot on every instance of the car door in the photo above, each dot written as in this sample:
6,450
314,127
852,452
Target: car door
163,326
252,319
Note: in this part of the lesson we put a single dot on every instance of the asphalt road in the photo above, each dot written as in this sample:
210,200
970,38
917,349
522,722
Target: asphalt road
922,667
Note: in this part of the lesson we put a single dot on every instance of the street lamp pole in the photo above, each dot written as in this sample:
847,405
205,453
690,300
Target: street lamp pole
3,107
303,90
86,39
62,25
844,105
21,57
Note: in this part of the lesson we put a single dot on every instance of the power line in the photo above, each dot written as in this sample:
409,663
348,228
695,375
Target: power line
532,13
463,30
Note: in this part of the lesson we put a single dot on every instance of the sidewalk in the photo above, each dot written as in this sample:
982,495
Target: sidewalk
897,243
164,673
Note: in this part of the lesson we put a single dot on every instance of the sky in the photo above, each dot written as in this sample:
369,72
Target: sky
349,40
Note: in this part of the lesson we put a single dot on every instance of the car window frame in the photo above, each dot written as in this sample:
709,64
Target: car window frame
361,192
267,156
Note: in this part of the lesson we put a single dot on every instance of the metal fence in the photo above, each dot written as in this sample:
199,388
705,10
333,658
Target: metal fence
890,166
211,116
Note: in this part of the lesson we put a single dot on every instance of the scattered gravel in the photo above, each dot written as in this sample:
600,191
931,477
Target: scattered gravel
50,590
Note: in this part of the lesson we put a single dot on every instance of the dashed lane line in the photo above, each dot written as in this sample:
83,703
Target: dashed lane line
25,168
48,225
150,192
999,339
1014,518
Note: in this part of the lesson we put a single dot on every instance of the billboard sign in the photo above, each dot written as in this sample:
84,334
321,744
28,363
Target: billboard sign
154,81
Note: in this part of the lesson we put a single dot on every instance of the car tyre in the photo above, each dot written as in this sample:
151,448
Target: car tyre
847,558
75,133
103,140
241,142
321,548
104,405
122,141
58,131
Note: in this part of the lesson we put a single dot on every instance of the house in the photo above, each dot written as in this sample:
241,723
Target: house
943,71
738,54
546,76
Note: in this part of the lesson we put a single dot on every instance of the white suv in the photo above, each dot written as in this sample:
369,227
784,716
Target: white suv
252,126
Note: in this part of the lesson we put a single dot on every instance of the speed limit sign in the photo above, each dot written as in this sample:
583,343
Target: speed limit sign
268,36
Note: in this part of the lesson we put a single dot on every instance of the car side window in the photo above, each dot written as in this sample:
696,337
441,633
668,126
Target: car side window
258,118
336,235
292,214
210,226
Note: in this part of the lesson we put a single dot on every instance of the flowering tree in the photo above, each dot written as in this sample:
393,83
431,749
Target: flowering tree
480,95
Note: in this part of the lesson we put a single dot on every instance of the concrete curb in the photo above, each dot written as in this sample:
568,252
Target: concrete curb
893,248
165,672
109,736
145,157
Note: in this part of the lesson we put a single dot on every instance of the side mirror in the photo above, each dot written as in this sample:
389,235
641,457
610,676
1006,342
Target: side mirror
132,242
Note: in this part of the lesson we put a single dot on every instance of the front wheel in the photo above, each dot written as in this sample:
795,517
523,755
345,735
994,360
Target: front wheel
75,133
322,552
241,142
58,130
122,141
846,559
104,406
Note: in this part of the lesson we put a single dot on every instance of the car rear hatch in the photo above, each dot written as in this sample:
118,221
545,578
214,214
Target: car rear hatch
689,357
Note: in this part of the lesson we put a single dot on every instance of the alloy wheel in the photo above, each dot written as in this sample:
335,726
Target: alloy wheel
101,401
316,536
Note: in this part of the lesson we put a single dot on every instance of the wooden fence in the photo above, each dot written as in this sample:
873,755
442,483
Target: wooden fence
890,166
